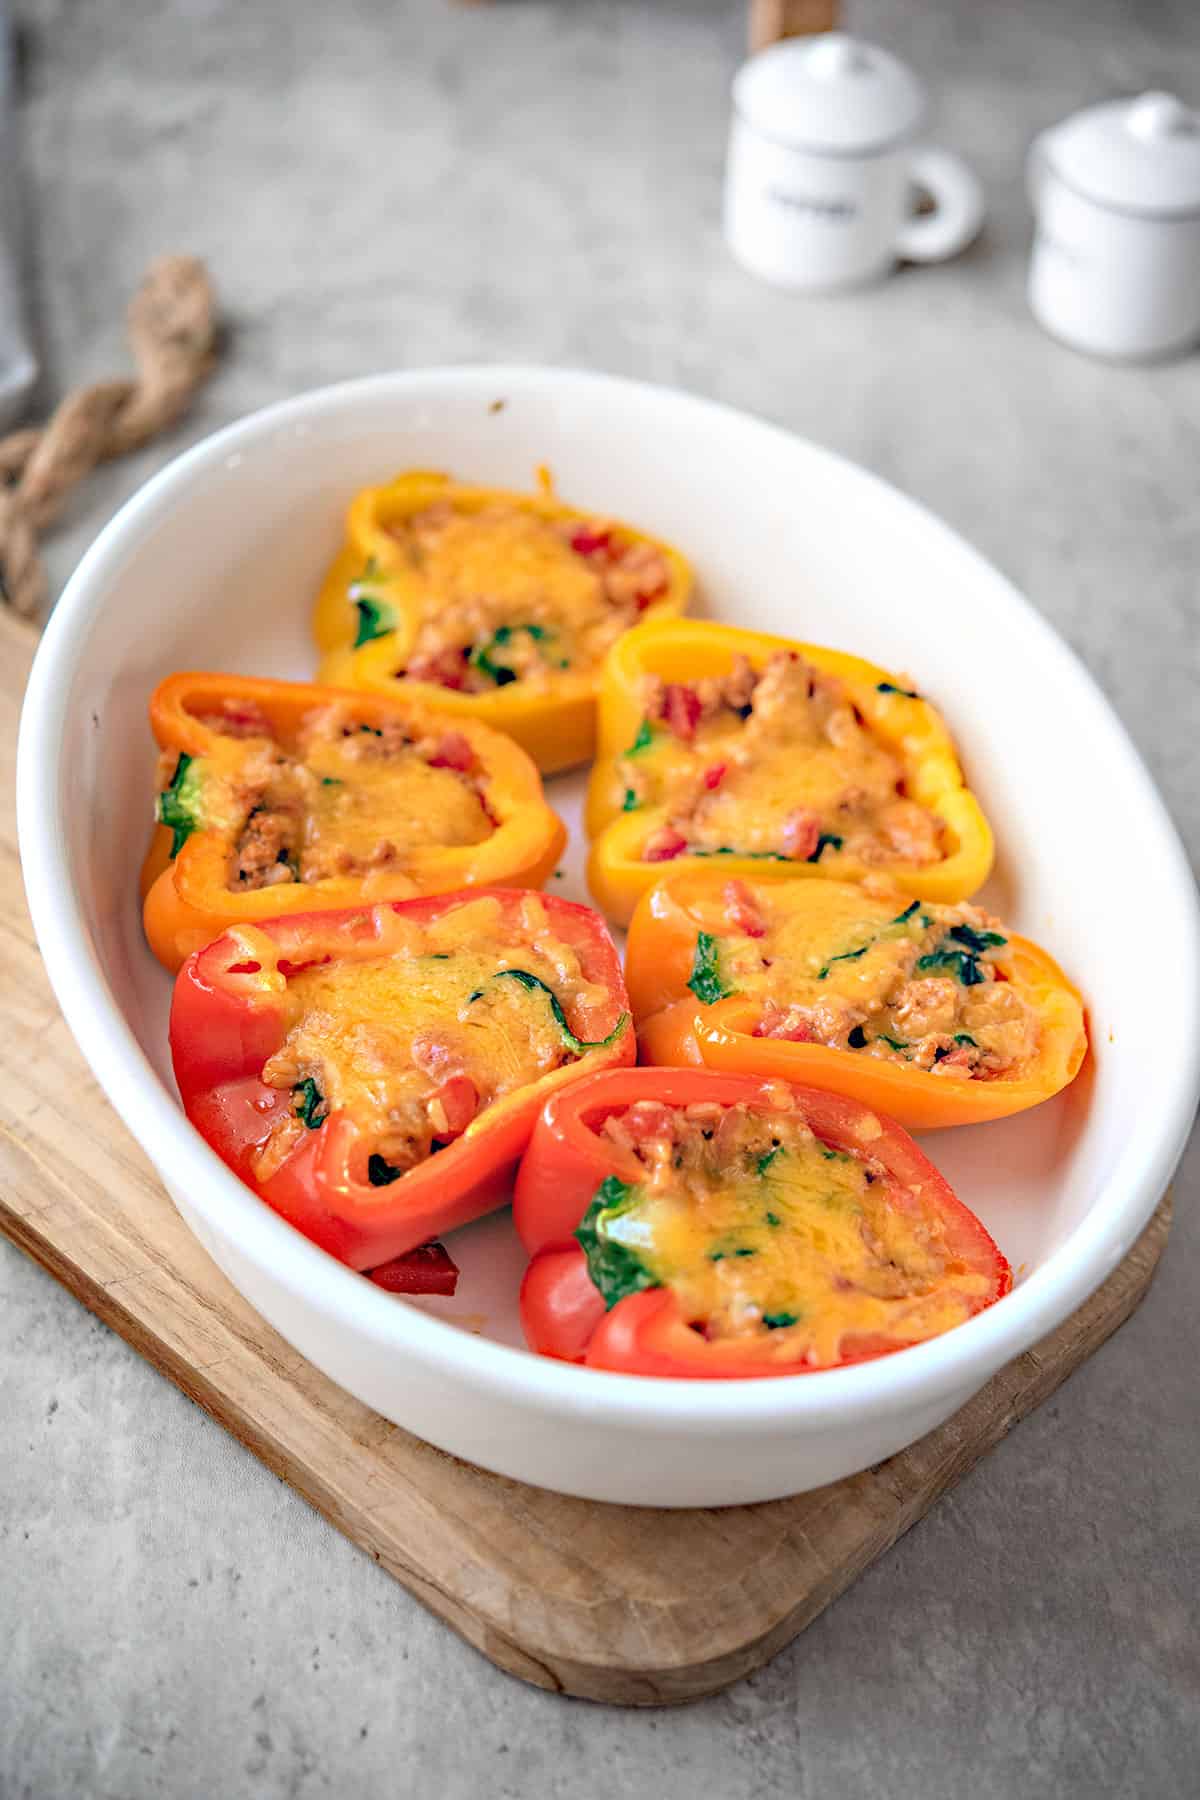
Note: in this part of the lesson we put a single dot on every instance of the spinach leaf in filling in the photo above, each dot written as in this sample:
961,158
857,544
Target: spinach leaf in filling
177,806
482,657
705,980
376,618
614,1268
975,940
828,840
578,1045
311,1108
961,965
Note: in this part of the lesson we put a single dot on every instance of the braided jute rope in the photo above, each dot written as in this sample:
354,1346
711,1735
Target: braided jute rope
172,323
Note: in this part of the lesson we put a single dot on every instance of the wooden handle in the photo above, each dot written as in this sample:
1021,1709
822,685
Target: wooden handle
773,20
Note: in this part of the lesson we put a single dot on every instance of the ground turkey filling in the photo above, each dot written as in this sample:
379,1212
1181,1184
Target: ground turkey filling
777,764
924,984
414,1042
764,1231
507,595
347,798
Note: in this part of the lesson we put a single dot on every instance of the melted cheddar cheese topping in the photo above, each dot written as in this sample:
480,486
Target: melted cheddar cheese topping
415,1038
374,1035
348,798
504,594
869,972
776,764
764,1232
345,798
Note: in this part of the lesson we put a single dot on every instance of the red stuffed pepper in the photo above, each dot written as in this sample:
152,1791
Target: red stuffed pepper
685,1223
375,1074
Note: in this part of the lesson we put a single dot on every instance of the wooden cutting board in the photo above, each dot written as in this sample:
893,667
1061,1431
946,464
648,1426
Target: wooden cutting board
598,1601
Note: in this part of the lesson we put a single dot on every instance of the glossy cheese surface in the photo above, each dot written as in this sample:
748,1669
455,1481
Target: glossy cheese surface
774,762
378,1032
763,1231
336,797
477,590
348,802
516,566
910,982
416,1037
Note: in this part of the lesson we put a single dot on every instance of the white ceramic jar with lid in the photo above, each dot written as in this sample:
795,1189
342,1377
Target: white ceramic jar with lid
822,167
1115,268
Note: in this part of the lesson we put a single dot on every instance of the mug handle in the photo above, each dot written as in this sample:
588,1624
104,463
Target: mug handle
958,207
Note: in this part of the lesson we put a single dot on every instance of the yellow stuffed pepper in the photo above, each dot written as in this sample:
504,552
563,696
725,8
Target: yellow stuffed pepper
491,605
937,1015
719,745
278,797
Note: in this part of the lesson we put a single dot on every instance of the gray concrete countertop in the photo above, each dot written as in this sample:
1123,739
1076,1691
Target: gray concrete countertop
396,184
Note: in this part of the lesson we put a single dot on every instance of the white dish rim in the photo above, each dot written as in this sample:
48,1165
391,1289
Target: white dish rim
956,1361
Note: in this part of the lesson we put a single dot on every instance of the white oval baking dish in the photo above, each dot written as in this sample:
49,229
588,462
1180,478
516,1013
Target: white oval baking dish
214,564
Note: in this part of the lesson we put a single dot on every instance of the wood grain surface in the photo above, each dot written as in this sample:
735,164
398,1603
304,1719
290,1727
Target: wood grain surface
591,1600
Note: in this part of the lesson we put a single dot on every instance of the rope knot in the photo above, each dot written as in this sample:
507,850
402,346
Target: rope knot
172,331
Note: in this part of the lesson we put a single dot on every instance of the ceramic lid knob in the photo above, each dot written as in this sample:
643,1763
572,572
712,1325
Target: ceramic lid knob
831,92
834,56
1156,115
1138,155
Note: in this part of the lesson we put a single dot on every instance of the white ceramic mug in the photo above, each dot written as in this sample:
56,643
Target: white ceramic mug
1115,267
822,175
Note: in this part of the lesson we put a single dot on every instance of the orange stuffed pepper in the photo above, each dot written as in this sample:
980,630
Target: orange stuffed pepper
492,605
719,743
935,1014
277,797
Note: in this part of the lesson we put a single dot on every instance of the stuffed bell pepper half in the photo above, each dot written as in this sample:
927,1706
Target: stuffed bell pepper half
719,746
278,797
685,1223
492,605
937,1014
375,1074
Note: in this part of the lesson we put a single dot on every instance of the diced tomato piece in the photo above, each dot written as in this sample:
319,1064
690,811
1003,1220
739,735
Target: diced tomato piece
774,1023
801,834
429,1269
799,1032
653,588
447,669
246,712
648,1120
238,718
743,911
453,752
715,776
589,539
456,1101
681,708
664,845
